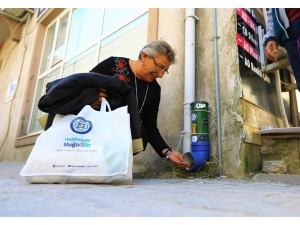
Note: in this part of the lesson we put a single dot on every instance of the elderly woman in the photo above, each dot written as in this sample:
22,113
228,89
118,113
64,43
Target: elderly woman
153,62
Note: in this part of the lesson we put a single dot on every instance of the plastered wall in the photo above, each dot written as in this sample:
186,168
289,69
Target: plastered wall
235,152
228,72
170,120
16,63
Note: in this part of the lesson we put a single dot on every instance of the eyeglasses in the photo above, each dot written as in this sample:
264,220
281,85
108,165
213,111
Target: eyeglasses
159,68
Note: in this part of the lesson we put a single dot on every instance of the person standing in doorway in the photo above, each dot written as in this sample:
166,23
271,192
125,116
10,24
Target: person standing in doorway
283,28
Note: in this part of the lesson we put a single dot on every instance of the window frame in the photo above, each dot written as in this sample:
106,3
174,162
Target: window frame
48,18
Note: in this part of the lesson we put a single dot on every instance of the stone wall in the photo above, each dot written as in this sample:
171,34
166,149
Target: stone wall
285,149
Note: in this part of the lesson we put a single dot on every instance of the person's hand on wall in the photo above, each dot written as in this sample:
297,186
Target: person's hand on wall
270,49
96,104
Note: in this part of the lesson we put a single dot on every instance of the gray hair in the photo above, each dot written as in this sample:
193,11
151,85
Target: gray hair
159,47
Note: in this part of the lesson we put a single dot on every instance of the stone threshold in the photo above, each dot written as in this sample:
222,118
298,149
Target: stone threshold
289,179
286,132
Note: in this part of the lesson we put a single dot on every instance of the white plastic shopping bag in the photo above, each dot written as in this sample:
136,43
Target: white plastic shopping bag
92,147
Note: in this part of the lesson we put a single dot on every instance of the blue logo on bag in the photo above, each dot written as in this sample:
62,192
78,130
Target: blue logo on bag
81,126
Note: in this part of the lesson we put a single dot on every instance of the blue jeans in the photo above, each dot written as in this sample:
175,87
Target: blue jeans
292,49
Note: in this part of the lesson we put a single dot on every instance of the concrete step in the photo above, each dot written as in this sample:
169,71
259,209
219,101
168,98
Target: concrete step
277,178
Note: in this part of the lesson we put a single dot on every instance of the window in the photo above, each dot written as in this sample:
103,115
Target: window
80,38
41,89
85,30
127,41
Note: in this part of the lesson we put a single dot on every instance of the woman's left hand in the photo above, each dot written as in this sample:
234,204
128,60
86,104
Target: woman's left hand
177,158
96,104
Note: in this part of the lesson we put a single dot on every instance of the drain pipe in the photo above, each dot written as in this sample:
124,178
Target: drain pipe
217,91
189,76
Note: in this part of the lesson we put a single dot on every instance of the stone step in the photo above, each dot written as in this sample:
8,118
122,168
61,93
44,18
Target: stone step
275,166
277,178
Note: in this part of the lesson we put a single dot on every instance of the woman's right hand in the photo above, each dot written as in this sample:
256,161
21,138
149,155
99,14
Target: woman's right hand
177,158
96,104
270,49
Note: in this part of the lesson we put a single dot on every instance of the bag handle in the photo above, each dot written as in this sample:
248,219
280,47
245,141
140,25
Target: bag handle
104,104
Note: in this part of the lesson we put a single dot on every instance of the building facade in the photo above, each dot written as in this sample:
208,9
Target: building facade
42,45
